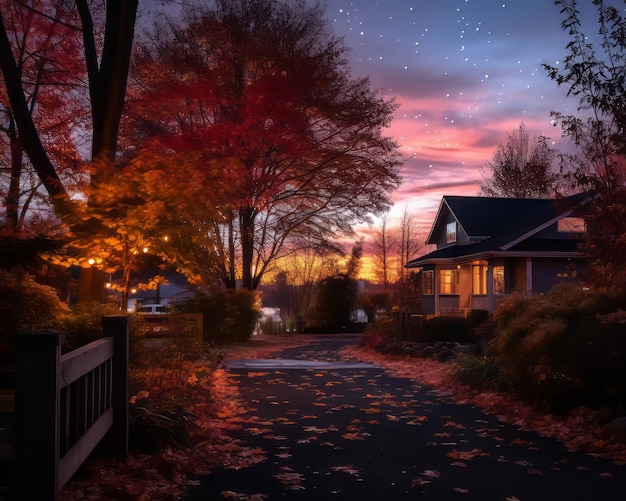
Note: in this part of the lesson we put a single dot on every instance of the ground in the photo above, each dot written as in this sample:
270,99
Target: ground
171,473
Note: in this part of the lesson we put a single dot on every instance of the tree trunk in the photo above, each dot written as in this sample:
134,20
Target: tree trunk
13,195
246,226
107,81
27,130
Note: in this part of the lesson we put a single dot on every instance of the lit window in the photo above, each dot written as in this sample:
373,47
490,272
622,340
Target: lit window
479,279
451,232
428,283
498,279
449,281
571,225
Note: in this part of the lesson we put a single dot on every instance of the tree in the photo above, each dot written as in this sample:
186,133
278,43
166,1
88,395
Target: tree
383,250
337,294
263,86
521,168
107,73
598,81
410,245
47,55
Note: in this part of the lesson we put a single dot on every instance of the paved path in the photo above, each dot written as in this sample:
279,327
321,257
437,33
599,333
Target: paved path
336,430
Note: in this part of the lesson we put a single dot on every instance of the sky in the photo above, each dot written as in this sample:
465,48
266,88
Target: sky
465,74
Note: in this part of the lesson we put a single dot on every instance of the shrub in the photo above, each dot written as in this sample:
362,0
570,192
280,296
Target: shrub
443,328
26,305
565,349
479,372
84,323
228,316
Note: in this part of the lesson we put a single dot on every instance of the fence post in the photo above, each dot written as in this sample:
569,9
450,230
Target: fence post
117,326
36,440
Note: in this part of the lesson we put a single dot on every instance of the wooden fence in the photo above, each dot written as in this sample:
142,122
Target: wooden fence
66,404
408,326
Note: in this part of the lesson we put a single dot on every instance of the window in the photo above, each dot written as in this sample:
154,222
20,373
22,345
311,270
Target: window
498,280
479,279
451,232
449,281
571,225
428,283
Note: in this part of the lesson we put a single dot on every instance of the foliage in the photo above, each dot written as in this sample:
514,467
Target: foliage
336,298
83,324
228,316
26,305
605,240
446,328
565,349
46,49
106,46
521,168
260,90
479,372
152,430
598,81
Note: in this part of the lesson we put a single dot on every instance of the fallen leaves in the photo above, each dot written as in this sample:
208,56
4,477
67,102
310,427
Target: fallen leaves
290,480
466,455
578,429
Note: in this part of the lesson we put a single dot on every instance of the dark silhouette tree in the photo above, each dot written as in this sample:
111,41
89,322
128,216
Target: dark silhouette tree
598,81
597,78
338,294
521,168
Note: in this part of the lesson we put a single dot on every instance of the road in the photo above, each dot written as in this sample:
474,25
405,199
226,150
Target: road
333,429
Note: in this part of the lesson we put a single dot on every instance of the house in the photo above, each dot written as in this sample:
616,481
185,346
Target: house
489,248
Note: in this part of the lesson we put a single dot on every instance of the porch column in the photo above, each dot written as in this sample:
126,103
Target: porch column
529,276
490,299
436,288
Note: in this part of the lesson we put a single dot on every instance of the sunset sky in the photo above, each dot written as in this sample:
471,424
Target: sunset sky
465,73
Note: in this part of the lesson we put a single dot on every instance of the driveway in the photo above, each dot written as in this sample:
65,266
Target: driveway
332,429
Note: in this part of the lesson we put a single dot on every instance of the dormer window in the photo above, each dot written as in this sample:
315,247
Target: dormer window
451,232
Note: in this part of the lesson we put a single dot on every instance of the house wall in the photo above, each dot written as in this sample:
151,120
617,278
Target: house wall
517,271
549,272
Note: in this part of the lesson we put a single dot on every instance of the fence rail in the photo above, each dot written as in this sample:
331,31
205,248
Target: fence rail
66,404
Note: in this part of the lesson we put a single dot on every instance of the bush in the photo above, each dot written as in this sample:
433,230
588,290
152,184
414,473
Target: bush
443,328
479,372
26,305
228,316
565,349
84,323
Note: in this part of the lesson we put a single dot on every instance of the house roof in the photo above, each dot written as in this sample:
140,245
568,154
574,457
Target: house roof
499,226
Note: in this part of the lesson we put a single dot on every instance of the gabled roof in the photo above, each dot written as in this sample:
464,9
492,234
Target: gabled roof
499,225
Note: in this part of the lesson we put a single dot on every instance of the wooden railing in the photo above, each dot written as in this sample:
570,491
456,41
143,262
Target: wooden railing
65,405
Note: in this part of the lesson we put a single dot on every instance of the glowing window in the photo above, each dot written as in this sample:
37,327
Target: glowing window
449,281
451,232
479,279
498,280
572,225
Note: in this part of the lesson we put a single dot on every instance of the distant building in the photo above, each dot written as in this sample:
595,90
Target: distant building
489,248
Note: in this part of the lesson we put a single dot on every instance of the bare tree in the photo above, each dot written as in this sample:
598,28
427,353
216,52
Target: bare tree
384,245
409,246
521,168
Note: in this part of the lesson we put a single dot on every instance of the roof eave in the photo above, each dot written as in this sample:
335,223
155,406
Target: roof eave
493,254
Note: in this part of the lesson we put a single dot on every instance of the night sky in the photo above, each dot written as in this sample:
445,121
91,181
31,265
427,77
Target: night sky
465,73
